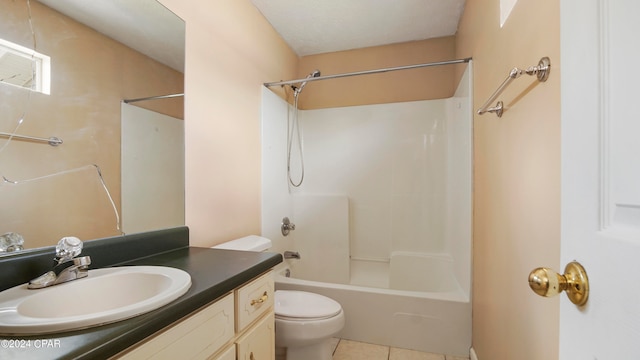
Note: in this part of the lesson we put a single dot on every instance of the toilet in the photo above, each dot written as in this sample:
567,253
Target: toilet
305,321
305,324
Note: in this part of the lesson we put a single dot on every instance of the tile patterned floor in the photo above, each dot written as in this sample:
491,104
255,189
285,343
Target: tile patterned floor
353,350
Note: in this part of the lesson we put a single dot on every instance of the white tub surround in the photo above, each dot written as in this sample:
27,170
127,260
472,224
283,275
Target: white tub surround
383,217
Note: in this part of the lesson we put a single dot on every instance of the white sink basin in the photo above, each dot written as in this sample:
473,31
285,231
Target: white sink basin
106,295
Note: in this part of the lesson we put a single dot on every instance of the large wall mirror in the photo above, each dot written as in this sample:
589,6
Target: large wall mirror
110,174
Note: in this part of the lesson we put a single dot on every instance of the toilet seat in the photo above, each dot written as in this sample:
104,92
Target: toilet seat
301,305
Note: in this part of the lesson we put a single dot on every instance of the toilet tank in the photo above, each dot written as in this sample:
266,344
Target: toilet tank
247,243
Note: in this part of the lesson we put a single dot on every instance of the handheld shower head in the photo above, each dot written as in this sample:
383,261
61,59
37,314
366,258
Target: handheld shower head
315,73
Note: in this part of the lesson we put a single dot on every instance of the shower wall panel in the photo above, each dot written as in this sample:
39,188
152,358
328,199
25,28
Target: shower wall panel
459,212
390,160
276,200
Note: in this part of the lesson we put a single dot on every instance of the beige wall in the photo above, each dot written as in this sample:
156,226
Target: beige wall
230,51
91,74
517,178
406,85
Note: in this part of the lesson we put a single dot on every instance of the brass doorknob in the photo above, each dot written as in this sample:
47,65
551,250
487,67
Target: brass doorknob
546,282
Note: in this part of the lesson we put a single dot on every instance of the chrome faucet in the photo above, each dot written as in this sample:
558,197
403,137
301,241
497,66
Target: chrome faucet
291,255
66,266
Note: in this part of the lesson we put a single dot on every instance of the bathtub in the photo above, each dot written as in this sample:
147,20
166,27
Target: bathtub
417,304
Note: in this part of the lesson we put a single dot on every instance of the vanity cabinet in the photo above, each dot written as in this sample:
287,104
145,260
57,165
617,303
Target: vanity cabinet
228,354
259,343
239,325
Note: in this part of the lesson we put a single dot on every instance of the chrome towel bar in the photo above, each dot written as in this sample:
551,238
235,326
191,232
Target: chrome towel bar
541,71
53,141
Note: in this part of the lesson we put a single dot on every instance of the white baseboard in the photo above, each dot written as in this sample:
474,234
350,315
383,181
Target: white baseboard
472,354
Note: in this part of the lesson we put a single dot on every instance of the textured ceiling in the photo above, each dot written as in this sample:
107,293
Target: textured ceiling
144,25
319,26
308,26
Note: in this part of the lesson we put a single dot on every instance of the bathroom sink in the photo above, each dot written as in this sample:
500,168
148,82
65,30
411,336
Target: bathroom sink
107,295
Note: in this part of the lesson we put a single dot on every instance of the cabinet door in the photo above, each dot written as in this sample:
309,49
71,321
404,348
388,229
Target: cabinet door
197,337
258,343
228,354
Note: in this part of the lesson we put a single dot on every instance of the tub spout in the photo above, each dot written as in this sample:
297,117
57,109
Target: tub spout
291,255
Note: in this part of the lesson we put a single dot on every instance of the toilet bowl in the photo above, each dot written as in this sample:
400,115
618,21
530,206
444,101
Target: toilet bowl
305,322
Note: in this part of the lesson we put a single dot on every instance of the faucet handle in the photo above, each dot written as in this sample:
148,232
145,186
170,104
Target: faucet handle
68,247
11,241
287,226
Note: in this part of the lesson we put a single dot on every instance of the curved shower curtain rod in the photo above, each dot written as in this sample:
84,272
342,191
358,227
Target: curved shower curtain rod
367,72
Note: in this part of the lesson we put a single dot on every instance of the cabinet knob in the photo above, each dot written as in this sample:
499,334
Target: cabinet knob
546,282
251,356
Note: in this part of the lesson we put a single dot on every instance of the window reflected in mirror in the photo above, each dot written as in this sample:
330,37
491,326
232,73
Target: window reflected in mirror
24,67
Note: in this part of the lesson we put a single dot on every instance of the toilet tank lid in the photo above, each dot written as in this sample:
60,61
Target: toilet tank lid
247,243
